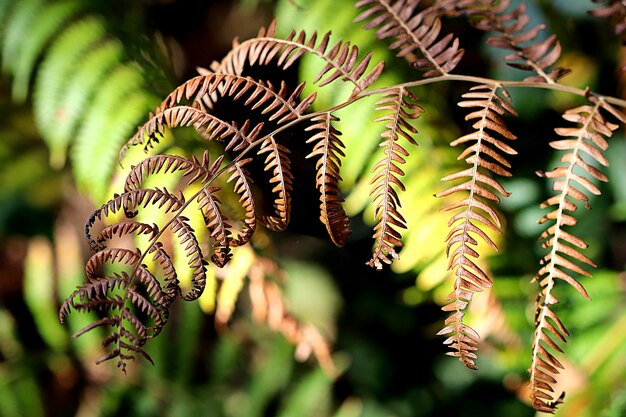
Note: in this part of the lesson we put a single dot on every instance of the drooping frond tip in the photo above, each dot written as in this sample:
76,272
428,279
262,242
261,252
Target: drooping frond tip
401,107
485,154
328,149
135,299
574,180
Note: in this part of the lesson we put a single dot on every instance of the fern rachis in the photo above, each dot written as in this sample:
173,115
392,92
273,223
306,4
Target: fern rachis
470,277
587,139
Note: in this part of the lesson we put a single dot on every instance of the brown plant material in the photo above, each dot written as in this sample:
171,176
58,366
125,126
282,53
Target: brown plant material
573,181
412,31
528,54
270,307
485,157
132,277
135,301
402,107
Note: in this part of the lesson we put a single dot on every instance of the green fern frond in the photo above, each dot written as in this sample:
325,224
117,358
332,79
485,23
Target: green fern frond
47,23
57,76
79,96
105,128
4,10
19,19
80,76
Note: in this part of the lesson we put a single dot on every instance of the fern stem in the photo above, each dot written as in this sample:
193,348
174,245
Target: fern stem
472,192
506,84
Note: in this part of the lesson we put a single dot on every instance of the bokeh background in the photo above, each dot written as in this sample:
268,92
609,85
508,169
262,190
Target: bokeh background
78,77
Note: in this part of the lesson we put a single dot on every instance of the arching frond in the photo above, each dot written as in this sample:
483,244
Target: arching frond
342,61
243,187
193,169
207,125
216,222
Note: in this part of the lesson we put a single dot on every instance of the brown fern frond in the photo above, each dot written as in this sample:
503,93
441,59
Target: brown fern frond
468,226
328,150
97,289
528,53
277,160
136,309
413,31
573,181
136,301
193,169
195,259
171,285
270,307
124,228
94,265
243,188
209,126
201,91
401,106
128,202
456,8
280,105
342,61
615,12
216,222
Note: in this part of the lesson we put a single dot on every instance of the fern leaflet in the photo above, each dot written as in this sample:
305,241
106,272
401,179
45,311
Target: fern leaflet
485,154
583,147
402,107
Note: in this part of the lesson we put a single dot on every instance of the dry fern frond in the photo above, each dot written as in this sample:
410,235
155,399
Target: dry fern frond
243,188
456,8
328,149
132,317
342,61
207,88
193,169
485,157
217,224
615,12
136,297
270,307
412,31
401,106
583,147
277,161
528,54
210,127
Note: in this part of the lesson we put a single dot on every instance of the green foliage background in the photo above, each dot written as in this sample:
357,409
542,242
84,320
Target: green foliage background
80,75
